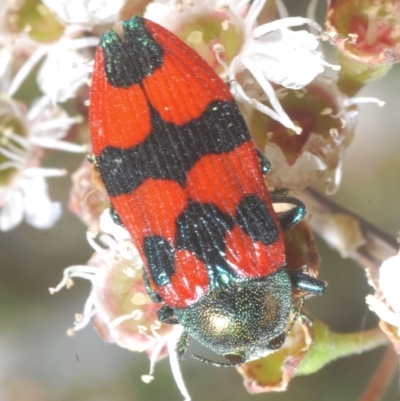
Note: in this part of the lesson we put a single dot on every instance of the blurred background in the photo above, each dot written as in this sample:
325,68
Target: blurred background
38,362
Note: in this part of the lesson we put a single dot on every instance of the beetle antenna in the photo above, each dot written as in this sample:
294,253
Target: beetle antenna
217,364
296,316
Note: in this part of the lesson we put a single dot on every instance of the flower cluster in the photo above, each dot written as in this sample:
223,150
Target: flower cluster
30,128
299,113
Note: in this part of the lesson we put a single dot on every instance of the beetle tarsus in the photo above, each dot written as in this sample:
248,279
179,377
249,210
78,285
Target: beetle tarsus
216,364
293,216
182,345
304,282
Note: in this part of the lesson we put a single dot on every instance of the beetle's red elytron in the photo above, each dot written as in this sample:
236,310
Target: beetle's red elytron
186,181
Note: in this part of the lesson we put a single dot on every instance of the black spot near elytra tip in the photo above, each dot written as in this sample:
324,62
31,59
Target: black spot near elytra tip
128,60
160,259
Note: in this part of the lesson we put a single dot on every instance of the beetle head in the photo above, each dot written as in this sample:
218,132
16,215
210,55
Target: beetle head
242,320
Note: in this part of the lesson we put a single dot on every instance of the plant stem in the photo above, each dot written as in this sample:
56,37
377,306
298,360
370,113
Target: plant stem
377,247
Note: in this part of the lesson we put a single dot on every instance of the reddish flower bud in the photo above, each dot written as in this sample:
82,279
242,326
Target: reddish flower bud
366,34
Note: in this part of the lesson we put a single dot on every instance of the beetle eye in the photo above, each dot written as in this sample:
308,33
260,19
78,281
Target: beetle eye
277,342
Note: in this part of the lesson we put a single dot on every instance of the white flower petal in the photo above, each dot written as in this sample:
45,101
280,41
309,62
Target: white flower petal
33,172
38,107
62,74
284,23
12,209
40,211
5,68
48,122
86,11
25,70
288,58
158,12
281,115
52,143
389,279
306,168
175,365
108,226
380,308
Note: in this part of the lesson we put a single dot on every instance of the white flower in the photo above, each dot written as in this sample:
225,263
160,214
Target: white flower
86,12
23,135
28,199
113,252
118,302
389,280
64,70
270,52
171,14
273,53
286,57
23,189
306,169
5,68
328,120
386,303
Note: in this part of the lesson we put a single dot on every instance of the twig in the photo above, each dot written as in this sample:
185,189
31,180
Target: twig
376,247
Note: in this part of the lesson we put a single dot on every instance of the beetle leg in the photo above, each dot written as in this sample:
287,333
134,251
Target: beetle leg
152,294
306,283
182,344
306,319
91,158
217,364
293,216
265,165
114,216
167,315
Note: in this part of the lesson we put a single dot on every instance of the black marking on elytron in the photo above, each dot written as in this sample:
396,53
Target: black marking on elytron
201,229
160,259
170,151
129,60
154,296
253,217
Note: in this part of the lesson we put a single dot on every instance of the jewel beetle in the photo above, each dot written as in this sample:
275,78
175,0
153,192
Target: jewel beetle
186,181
